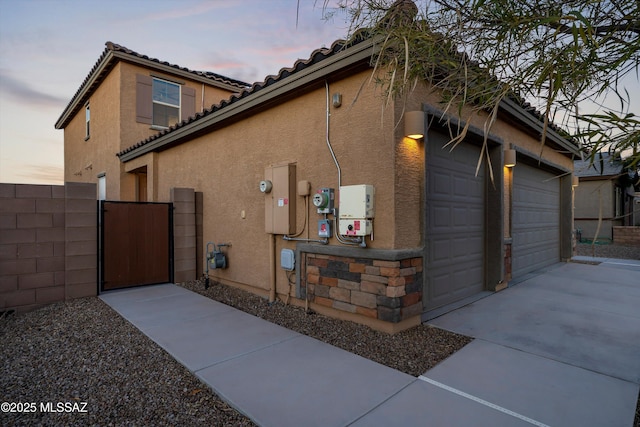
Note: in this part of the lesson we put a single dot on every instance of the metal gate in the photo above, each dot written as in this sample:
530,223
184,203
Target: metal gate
135,244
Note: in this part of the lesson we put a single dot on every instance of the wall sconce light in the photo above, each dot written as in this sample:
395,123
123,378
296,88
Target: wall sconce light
414,124
510,157
575,181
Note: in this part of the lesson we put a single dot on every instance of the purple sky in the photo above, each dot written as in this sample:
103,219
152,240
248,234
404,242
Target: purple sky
48,47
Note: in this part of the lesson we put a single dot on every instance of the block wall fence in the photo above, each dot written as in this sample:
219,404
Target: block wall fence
48,244
627,236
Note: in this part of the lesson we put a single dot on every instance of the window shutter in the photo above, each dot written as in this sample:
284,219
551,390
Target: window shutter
188,102
144,101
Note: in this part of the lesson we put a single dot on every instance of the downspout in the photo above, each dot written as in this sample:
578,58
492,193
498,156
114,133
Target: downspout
272,268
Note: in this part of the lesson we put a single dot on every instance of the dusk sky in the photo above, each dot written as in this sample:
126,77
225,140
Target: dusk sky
48,47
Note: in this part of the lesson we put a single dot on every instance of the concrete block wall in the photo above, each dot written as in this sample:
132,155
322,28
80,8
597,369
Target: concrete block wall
384,290
184,234
47,244
627,236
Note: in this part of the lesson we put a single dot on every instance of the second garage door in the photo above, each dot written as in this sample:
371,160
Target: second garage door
535,219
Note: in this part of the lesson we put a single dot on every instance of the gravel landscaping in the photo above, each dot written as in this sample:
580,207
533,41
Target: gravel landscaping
608,251
82,355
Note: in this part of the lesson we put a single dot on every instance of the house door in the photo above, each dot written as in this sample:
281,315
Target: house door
535,219
136,244
455,230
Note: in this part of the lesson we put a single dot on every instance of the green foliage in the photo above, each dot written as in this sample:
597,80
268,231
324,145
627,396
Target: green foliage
563,57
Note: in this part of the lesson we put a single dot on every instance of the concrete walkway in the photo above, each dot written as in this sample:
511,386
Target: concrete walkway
559,349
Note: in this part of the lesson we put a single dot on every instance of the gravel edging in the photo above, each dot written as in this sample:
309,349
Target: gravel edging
82,351
413,351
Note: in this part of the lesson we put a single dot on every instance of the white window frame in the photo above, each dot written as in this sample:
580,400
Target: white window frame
153,101
102,186
87,122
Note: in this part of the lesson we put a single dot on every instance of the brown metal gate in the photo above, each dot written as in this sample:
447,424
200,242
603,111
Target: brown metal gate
136,244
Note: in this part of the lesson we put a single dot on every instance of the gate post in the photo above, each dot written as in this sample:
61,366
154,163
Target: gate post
184,234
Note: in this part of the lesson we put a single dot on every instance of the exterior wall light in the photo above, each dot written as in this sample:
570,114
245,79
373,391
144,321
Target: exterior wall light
575,181
510,157
414,124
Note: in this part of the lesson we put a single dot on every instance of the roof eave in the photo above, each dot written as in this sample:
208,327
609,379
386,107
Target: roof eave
532,122
86,89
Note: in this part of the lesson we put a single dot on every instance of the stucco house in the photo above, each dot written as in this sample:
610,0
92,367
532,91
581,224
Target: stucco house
605,194
337,204
125,98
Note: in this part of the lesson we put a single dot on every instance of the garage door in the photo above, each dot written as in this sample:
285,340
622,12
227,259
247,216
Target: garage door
455,224
535,219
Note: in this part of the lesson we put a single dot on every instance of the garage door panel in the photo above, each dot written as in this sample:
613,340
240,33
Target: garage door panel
535,220
455,224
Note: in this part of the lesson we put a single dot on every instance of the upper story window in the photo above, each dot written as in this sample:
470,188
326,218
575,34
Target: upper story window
166,103
162,103
87,121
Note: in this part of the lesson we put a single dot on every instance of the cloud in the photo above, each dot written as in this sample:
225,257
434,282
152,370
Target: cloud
24,93
32,174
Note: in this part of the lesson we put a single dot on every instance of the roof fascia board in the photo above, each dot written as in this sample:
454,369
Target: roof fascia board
86,88
302,78
529,120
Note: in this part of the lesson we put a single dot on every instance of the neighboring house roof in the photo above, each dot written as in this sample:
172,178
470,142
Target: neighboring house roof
114,53
340,57
604,165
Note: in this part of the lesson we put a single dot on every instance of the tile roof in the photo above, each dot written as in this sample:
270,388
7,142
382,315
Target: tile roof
114,53
207,74
317,56
604,165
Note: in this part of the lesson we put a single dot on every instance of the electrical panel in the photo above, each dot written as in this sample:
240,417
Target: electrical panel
280,200
324,228
356,210
356,201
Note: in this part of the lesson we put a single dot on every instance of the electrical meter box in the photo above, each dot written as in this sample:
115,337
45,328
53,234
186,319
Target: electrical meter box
280,200
357,202
323,200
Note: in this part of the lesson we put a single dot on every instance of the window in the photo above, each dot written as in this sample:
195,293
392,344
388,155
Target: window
87,120
102,186
162,103
166,103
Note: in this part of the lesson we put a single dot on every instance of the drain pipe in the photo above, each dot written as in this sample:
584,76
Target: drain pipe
272,268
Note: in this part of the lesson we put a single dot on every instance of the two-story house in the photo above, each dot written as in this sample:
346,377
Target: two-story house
128,97
327,193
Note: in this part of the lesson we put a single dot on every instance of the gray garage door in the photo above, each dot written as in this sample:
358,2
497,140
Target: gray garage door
455,224
536,220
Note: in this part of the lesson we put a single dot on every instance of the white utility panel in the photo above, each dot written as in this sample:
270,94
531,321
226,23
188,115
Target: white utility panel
356,201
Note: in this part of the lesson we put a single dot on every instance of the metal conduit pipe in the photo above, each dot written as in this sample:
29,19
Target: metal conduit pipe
272,268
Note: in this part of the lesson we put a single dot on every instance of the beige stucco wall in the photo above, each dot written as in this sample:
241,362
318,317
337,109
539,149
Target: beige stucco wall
227,164
590,197
84,160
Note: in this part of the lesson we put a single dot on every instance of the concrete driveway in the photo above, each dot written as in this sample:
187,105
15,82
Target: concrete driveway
560,348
